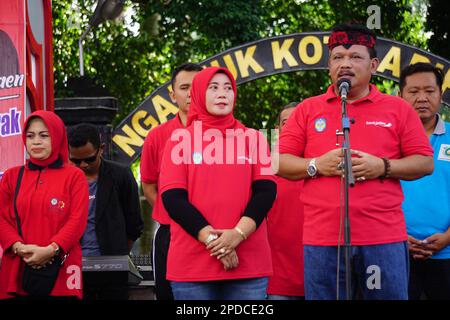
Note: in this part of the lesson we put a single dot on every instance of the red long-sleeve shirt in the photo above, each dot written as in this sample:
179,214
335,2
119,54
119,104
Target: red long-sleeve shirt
52,206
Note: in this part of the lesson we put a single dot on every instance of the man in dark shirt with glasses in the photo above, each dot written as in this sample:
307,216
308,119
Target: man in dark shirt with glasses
114,220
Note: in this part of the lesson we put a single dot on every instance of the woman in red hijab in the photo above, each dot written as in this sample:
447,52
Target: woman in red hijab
52,204
217,186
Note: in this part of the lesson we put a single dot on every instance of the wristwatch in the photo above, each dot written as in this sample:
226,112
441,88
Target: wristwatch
312,169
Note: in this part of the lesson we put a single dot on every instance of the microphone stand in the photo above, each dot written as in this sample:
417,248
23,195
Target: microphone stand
349,180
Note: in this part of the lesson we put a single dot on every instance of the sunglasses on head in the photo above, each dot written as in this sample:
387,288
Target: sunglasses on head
86,160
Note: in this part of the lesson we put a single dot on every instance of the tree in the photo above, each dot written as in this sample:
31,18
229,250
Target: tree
132,64
437,23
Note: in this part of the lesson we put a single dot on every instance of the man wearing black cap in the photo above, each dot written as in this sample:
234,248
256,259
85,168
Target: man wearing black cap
387,142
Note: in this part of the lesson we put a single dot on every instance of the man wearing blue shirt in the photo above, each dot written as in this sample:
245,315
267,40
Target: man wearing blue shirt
427,203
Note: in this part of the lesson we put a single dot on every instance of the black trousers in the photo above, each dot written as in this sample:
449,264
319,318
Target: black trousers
429,277
163,290
107,285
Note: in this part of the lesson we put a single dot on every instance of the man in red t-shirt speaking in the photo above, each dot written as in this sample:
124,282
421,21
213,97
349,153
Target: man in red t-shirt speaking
388,143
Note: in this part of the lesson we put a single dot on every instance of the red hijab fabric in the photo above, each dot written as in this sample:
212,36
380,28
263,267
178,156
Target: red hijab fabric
58,135
197,109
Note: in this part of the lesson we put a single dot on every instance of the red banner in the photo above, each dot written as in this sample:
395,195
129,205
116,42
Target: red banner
12,82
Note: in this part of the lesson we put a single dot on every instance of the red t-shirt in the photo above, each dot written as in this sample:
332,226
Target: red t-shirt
385,126
52,206
285,231
221,193
151,156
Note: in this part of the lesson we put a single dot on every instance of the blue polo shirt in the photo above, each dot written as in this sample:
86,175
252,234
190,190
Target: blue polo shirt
427,203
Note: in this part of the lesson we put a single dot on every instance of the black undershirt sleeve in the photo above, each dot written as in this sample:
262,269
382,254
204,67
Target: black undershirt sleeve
183,212
192,221
264,193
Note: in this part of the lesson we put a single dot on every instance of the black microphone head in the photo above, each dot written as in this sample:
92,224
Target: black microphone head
344,83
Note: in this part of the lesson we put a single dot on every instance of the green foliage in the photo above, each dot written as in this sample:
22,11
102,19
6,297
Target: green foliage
133,63
437,23
445,113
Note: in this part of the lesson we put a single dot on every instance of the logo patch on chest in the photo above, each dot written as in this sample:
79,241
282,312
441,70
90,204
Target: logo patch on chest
320,124
444,152
57,204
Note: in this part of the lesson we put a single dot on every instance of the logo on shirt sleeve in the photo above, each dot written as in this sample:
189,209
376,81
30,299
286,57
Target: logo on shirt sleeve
444,152
320,124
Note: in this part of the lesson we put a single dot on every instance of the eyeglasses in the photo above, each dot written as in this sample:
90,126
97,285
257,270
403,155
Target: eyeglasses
87,160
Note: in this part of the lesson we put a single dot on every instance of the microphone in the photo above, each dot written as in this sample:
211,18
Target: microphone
344,86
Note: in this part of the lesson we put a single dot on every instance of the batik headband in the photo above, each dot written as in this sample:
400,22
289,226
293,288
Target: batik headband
348,38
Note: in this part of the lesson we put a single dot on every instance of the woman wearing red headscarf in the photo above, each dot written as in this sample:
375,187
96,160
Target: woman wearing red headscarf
217,186
52,204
